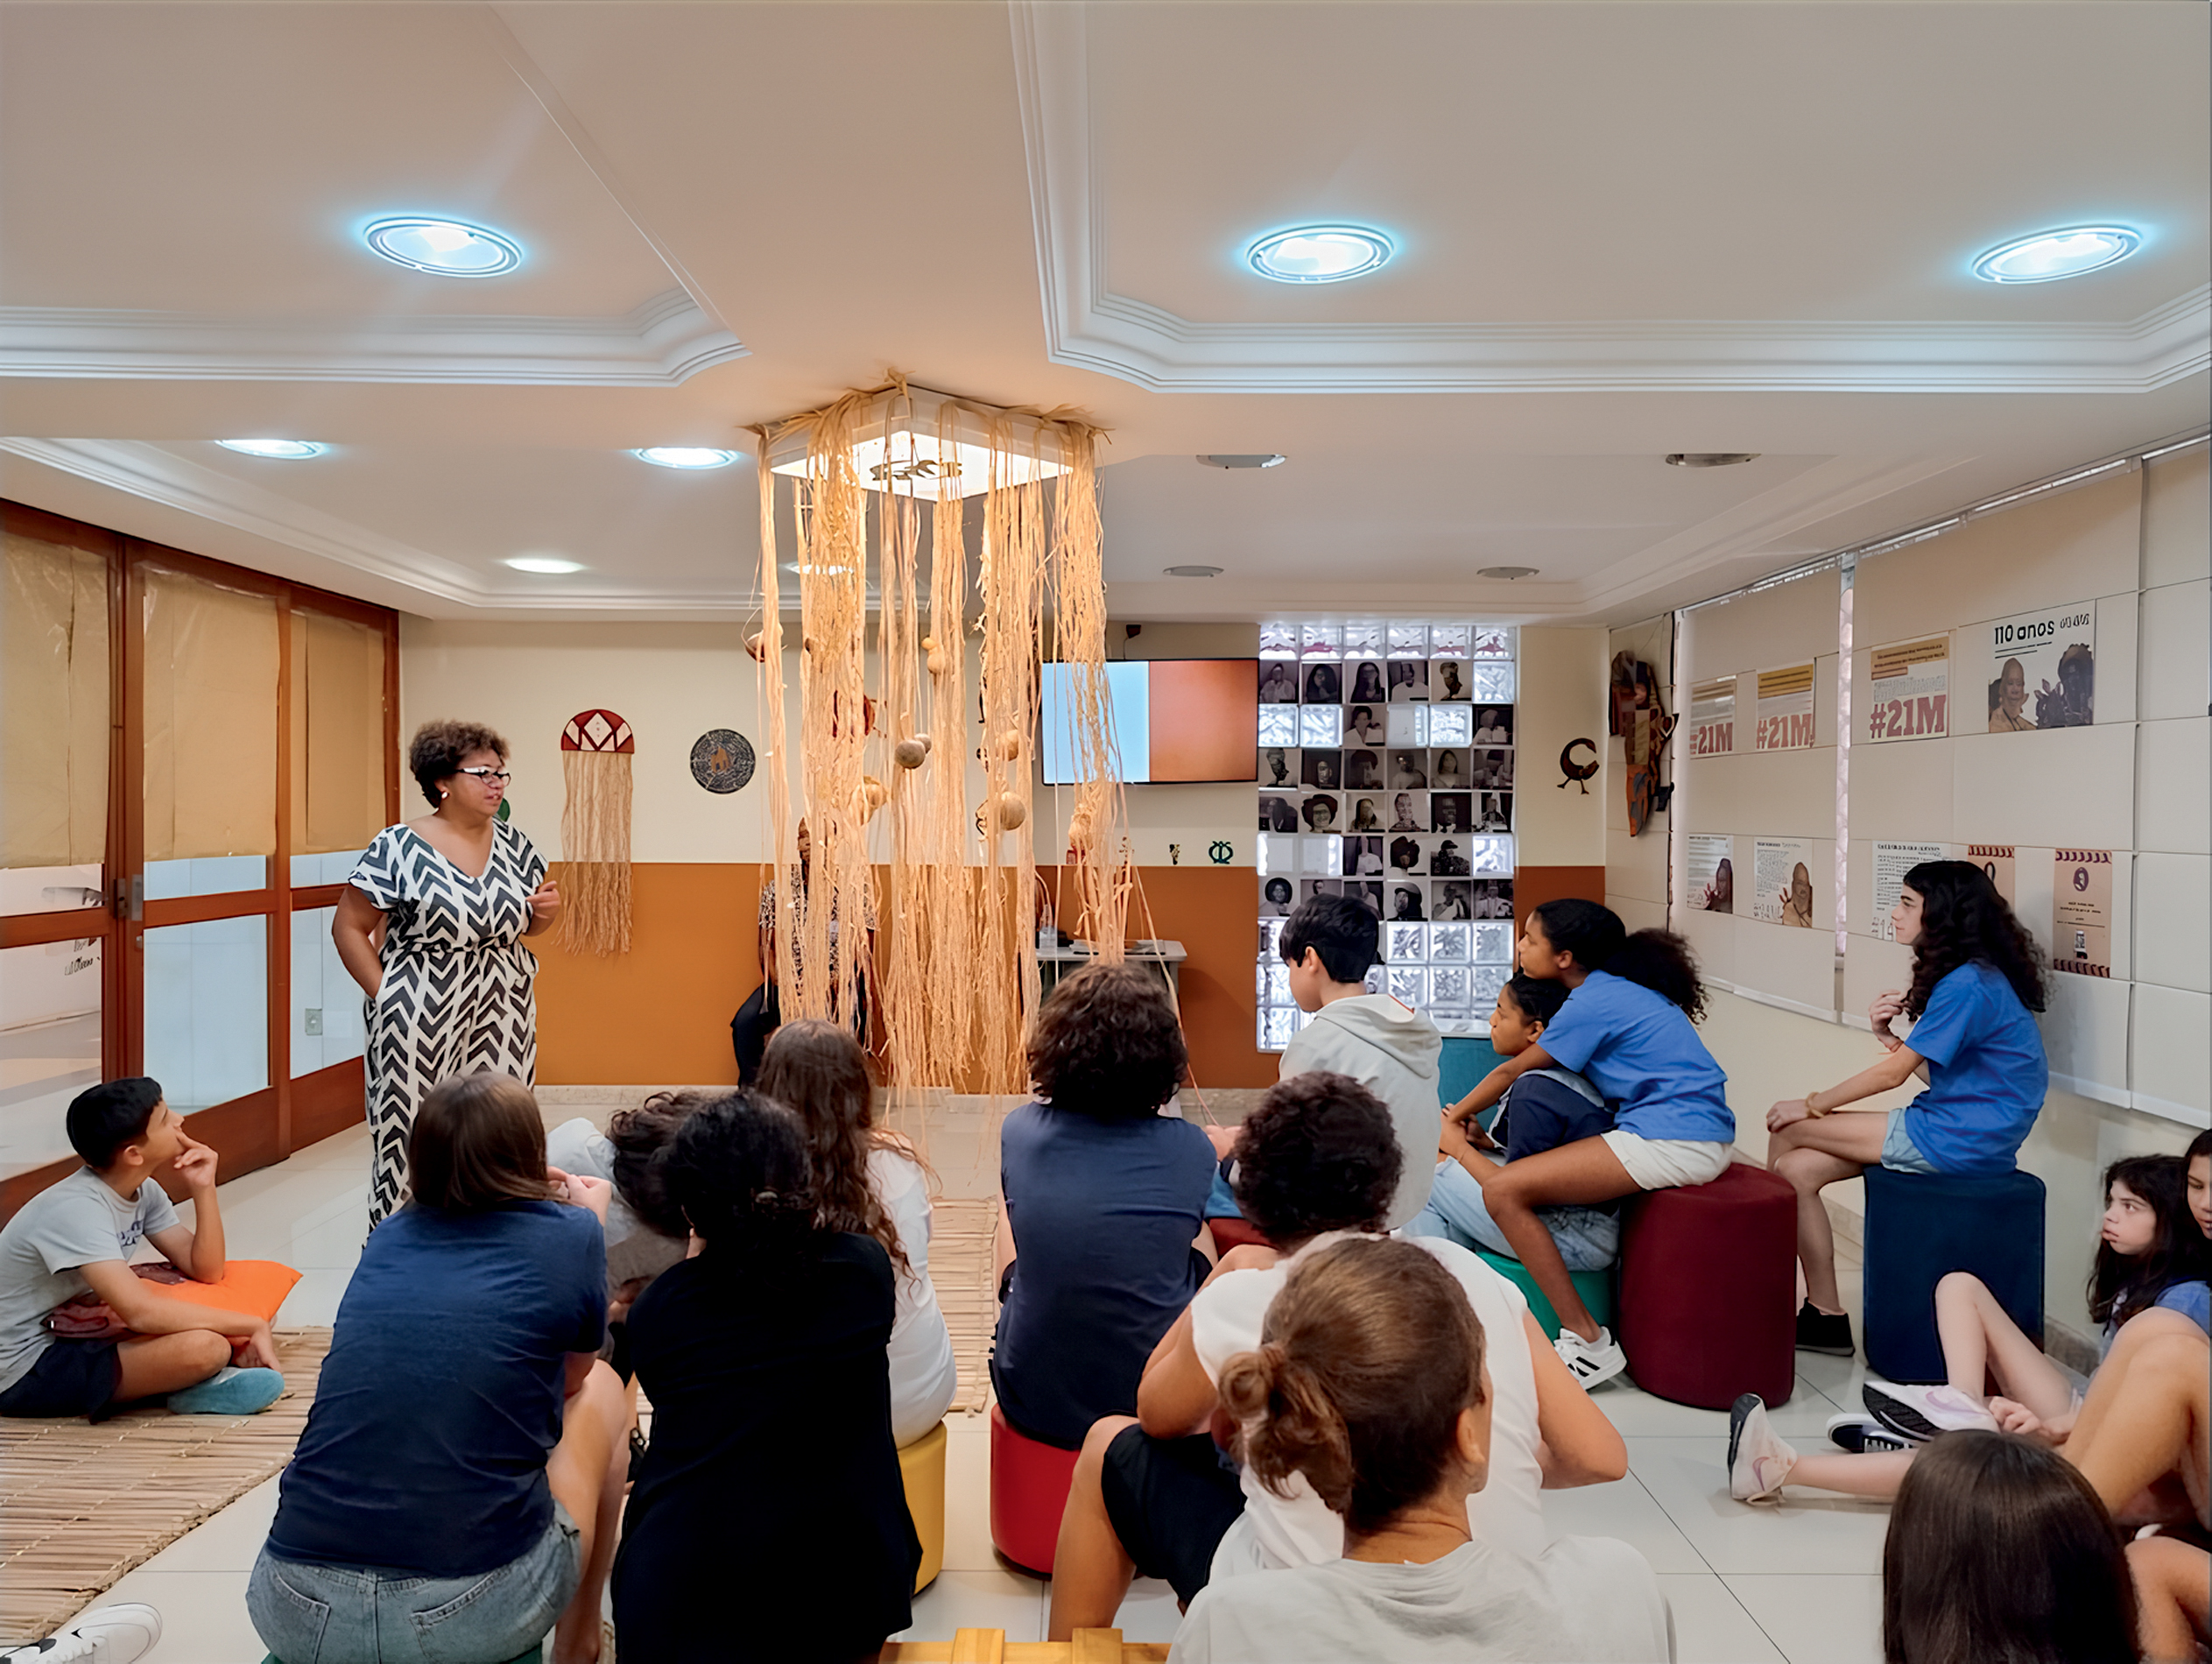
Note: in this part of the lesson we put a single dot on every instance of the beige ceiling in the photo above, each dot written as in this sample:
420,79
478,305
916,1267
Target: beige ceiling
1624,230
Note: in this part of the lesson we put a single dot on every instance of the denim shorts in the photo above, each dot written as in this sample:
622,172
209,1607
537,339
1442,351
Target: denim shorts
312,1614
1899,1153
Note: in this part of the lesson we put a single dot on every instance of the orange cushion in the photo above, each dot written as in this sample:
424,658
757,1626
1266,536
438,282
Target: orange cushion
256,1287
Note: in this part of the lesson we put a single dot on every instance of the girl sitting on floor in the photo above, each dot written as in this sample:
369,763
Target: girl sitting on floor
2147,1279
771,1459
1369,1383
1626,1028
456,1490
1103,1198
1976,976
870,1181
1999,1549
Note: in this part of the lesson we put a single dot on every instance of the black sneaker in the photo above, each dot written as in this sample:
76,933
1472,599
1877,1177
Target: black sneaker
1860,1435
1820,1331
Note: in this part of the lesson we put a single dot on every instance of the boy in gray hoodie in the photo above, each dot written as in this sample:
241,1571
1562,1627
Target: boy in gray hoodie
1329,942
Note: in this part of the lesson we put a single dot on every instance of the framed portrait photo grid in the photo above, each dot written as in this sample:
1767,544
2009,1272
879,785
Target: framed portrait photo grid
1387,766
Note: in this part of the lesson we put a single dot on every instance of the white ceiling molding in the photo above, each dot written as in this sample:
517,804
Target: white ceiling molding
157,475
1087,325
661,343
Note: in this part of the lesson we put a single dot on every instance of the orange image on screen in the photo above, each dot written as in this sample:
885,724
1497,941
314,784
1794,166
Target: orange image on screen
1205,713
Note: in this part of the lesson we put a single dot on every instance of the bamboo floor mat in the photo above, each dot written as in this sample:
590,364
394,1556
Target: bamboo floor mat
961,1235
85,1503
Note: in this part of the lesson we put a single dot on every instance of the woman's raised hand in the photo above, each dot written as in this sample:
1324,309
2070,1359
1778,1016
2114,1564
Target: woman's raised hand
1888,1004
545,904
1787,1112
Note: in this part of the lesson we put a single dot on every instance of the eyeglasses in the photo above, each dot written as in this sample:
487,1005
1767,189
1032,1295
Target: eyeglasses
488,776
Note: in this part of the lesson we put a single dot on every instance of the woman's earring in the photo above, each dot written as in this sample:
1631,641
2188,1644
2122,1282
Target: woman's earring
443,793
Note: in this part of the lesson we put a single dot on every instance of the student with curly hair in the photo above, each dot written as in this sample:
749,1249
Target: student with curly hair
776,1308
1370,1389
870,1180
452,988
1103,1197
1976,979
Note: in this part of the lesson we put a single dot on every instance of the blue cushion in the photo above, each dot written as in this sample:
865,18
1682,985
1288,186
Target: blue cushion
1922,1226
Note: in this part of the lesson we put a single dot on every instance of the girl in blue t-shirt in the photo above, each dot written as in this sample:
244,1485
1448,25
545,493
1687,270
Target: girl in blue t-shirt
1626,1028
1976,976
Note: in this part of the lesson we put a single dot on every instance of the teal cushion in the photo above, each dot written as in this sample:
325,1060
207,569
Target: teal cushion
1594,1287
535,1655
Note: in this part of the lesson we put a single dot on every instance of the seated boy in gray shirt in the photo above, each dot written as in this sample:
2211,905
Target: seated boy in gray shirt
80,1234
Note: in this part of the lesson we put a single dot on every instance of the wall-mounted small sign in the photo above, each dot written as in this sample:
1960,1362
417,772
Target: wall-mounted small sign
722,760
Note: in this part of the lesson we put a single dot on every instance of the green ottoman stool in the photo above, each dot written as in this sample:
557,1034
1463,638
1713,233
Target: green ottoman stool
1594,1287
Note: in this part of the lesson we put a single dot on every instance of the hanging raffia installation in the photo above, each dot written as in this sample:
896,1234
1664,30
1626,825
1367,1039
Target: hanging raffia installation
881,473
596,750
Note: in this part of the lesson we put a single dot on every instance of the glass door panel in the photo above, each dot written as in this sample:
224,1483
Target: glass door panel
207,1010
326,1001
49,1048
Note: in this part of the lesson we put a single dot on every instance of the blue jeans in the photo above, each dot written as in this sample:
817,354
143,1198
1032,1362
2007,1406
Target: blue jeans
1588,1239
311,1614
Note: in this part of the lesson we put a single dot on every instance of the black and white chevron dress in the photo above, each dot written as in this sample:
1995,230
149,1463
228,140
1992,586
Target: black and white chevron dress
457,991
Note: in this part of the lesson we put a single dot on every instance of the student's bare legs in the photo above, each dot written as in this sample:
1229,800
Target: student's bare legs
2156,1421
1980,1341
2174,1598
1091,1570
586,1473
156,1363
1812,1154
1874,1474
1585,1170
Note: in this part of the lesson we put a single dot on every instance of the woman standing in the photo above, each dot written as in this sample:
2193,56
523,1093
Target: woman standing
450,991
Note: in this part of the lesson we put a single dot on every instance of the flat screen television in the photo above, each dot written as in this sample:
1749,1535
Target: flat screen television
1185,720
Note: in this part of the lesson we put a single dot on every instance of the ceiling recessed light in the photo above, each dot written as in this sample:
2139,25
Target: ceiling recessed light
448,248
1320,253
549,565
685,456
1261,458
2049,256
287,450
1709,459
1194,572
1507,573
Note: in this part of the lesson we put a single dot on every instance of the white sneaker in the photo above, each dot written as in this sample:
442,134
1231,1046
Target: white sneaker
1758,1462
1590,1362
1920,1412
117,1634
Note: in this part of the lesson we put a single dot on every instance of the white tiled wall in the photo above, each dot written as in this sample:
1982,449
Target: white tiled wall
208,1010
320,985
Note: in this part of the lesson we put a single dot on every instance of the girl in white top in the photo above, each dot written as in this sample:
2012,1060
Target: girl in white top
1369,1390
870,1180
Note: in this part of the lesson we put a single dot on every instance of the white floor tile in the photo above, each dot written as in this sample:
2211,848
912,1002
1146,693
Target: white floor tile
1641,1414
314,1301
1623,1509
978,1600
967,1546
1711,1625
1807,1531
203,1616
1148,1612
231,1541
1815,1618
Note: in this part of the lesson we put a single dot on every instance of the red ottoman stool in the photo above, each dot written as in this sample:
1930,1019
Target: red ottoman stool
1029,1484
1235,1233
1709,1289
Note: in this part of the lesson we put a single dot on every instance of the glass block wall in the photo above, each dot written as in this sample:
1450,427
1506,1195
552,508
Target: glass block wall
1386,764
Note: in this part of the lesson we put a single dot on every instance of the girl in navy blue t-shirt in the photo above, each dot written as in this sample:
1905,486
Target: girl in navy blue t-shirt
1976,976
1625,1027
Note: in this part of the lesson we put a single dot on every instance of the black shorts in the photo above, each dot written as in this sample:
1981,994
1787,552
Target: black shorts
71,1378
1171,1501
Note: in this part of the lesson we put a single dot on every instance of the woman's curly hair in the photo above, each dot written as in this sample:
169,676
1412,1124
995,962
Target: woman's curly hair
436,751
817,1071
1963,920
739,1170
1108,1044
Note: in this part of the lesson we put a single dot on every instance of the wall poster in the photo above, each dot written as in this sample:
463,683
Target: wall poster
2081,912
1784,709
1712,873
1892,862
1910,692
1782,881
1713,717
1995,859
2042,669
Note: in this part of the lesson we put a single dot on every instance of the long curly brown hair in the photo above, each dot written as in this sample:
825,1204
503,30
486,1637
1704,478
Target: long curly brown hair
1962,919
818,1070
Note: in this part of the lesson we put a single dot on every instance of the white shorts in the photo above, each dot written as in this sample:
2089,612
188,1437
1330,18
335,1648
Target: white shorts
1662,1164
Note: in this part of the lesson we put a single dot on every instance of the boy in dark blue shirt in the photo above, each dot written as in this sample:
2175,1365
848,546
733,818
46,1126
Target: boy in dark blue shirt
1541,1110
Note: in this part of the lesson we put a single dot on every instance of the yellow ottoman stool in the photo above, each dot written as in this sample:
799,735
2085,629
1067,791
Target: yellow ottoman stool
921,1466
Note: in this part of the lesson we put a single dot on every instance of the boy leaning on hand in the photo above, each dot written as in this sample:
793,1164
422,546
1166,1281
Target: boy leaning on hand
79,1235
